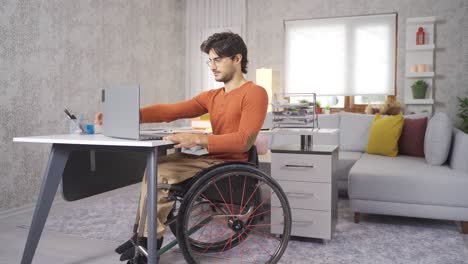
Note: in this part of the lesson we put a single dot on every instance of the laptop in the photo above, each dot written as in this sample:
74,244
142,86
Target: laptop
122,114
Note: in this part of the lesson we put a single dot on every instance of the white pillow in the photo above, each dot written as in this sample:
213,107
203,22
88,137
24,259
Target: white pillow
354,131
329,121
459,158
437,139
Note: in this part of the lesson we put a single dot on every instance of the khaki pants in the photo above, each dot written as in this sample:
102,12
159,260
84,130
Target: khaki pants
172,169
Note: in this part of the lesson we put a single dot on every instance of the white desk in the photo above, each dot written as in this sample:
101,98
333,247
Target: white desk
62,146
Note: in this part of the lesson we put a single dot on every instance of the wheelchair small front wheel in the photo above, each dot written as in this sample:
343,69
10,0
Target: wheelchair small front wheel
226,217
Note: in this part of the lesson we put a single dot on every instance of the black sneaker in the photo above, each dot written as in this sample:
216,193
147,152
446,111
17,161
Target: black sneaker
127,245
129,254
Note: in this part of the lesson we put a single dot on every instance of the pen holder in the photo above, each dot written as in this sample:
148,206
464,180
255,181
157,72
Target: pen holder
73,126
80,126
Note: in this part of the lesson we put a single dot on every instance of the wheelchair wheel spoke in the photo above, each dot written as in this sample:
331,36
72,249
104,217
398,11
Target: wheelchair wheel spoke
264,234
260,245
260,205
243,192
230,193
212,243
221,222
248,248
229,242
251,195
265,212
201,233
222,197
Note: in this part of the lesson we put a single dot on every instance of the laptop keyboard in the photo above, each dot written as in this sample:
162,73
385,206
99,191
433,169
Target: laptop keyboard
151,137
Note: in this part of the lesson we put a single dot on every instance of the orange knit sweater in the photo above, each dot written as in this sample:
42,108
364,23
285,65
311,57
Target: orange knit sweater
236,118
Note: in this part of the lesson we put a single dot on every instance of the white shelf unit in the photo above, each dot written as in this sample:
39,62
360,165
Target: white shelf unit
421,20
420,47
420,101
419,54
420,74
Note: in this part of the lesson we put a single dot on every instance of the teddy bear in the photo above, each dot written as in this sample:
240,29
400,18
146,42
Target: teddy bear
389,107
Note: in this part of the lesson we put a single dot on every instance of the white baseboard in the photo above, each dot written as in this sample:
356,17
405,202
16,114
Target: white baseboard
25,208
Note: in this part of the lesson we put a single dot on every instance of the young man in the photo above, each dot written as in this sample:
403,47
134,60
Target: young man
237,112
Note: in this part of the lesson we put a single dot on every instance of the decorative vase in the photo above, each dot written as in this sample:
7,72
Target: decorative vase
419,92
420,36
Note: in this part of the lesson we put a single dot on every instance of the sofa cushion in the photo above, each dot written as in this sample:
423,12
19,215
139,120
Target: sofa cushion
354,131
346,160
349,155
437,139
407,179
329,121
459,157
384,134
412,137
418,115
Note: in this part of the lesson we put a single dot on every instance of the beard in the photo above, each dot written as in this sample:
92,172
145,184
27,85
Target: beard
223,77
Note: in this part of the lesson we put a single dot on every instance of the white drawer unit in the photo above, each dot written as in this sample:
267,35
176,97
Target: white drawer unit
306,177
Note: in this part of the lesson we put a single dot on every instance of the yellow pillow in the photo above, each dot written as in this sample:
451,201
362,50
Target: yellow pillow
384,134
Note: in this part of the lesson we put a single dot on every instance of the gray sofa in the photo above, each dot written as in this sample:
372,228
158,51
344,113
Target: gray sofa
402,185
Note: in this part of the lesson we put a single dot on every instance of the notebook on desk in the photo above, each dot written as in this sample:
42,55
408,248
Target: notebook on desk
122,114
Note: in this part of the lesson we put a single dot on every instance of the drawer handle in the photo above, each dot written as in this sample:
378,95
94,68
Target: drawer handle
299,166
302,223
299,195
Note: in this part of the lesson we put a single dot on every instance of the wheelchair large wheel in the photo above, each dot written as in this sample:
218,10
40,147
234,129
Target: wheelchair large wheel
223,217
207,209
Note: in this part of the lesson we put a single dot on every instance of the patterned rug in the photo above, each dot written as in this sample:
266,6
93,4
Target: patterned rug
377,239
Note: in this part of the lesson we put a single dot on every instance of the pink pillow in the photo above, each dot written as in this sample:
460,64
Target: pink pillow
411,141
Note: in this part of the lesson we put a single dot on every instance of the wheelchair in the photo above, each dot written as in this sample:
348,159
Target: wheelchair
223,214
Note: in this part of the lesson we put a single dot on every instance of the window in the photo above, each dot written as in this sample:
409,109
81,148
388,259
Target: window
369,99
338,57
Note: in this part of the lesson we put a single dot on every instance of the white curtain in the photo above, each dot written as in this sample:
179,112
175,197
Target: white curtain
205,17
341,56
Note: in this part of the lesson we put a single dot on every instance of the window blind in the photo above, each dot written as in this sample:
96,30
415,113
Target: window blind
341,56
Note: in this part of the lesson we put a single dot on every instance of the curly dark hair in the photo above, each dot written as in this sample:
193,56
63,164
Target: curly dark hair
227,44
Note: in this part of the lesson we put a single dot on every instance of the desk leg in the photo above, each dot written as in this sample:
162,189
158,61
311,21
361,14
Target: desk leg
57,159
152,169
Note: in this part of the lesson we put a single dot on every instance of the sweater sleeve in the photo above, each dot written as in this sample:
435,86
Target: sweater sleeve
254,108
169,112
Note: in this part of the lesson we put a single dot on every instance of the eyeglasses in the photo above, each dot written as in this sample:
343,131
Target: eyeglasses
216,61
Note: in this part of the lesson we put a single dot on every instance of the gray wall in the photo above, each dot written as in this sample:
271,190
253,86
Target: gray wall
62,53
265,37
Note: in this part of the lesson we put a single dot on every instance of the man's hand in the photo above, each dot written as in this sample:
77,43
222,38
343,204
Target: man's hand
98,118
188,140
